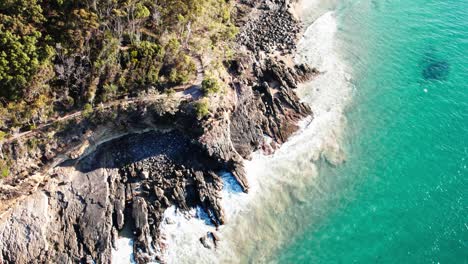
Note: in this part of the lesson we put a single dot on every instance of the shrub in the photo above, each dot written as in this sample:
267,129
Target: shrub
109,91
19,61
141,11
173,46
202,108
210,85
5,172
175,77
4,169
145,59
87,110
183,70
170,92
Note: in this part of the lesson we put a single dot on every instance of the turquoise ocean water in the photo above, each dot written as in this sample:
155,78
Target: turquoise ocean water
401,195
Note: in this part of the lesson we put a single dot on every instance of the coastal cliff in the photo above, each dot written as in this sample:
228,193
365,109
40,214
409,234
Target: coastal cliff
68,201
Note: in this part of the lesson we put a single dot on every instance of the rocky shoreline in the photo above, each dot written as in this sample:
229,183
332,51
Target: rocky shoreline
165,159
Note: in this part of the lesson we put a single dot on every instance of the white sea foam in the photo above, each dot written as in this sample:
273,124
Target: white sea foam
328,94
255,226
181,231
310,10
123,253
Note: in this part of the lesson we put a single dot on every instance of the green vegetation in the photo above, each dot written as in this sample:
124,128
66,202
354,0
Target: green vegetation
57,56
170,92
2,135
202,108
210,85
4,169
184,69
87,110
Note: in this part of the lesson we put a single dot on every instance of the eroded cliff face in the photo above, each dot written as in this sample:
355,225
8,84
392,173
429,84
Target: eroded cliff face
128,181
77,211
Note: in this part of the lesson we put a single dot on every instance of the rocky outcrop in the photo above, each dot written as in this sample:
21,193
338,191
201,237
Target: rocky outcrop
128,182
118,184
267,26
263,85
282,108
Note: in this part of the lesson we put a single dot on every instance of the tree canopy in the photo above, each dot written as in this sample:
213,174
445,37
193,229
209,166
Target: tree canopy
56,55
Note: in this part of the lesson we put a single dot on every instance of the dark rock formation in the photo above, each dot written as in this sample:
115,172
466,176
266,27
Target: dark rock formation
267,26
263,84
209,240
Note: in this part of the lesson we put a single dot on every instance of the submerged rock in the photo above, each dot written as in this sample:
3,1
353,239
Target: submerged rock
438,70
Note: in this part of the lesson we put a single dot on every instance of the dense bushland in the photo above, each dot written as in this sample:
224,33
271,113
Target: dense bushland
57,56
